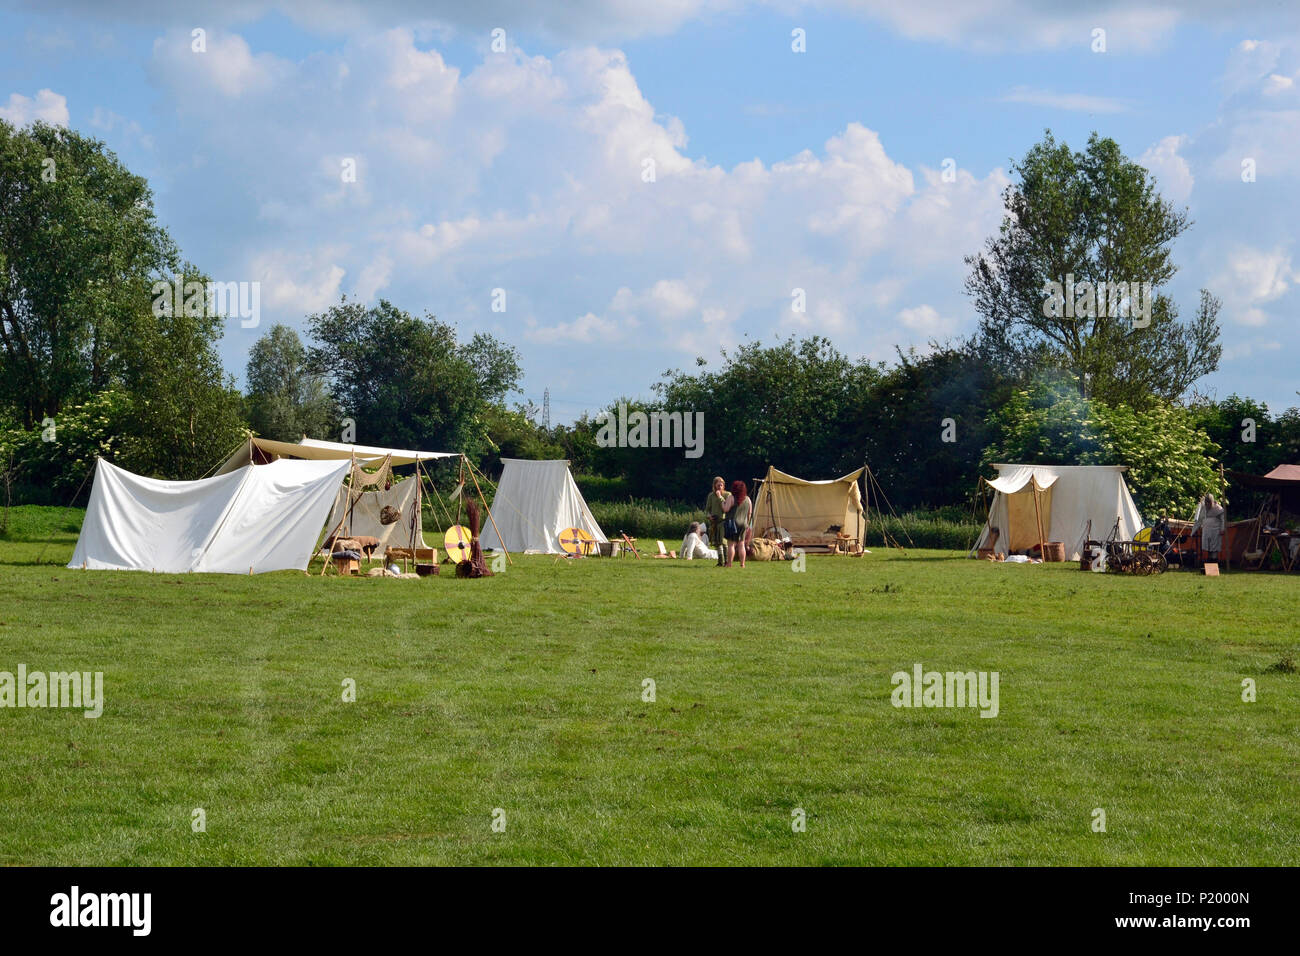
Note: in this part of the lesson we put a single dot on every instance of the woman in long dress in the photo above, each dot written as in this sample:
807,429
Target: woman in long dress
1213,525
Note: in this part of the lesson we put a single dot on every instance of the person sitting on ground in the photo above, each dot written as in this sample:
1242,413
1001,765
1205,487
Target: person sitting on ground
693,545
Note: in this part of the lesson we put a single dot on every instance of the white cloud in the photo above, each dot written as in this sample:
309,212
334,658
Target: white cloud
1252,278
1079,102
1172,173
586,329
1275,83
525,173
47,106
926,320
226,65
301,283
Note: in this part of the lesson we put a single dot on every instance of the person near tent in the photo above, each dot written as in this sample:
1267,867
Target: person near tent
693,545
1212,524
739,512
716,509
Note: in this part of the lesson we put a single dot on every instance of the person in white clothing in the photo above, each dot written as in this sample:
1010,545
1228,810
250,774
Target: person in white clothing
693,545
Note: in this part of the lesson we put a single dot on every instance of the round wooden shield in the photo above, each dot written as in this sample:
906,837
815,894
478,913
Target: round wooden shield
577,542
456,541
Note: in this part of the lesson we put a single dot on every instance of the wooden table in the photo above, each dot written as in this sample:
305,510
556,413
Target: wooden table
1279,541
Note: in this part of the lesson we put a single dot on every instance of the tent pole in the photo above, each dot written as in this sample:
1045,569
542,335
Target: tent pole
334,532
352,478
460,498
500,539
1038,518
417,519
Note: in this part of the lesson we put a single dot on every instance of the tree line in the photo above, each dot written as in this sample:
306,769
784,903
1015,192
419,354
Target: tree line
90,366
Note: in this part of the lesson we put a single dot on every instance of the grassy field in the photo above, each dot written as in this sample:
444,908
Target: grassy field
524,692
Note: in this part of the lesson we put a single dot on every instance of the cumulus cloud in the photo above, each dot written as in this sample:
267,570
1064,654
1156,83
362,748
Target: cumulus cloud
1251,278
1172,173
530,174
47,106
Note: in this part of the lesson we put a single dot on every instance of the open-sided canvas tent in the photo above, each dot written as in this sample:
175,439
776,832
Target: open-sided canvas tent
1065,498
535,501
809,510
360,510
251,520
260,451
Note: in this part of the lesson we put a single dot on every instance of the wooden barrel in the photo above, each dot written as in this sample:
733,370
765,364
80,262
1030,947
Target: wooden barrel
1054,551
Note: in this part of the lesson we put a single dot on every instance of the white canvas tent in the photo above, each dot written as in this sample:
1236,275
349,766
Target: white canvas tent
1064,498
535,501
267,518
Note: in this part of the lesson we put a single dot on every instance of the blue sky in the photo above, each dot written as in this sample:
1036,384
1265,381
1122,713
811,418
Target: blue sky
522,170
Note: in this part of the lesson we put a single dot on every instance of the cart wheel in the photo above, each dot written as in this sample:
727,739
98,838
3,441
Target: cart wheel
1161,562
1142,563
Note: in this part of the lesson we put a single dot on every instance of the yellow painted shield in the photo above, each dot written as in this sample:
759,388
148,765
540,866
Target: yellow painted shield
577,542
457,541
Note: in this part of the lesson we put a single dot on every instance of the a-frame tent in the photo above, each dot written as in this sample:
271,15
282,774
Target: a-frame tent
245,522
1035,504
369,497
809,510
535,501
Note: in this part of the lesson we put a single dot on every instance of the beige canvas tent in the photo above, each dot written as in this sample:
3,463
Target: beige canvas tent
812,512
1033,503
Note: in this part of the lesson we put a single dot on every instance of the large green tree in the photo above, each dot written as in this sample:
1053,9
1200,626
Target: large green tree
789,404
923,424
79,245
407,381
1170,458
1086,221
285,399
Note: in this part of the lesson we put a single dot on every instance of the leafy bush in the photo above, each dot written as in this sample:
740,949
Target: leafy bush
55,461
1170,459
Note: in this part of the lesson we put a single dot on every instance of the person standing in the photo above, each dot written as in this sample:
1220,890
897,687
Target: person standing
738,515
1213,524
716,509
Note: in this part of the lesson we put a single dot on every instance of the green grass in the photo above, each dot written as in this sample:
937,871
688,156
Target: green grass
523,692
